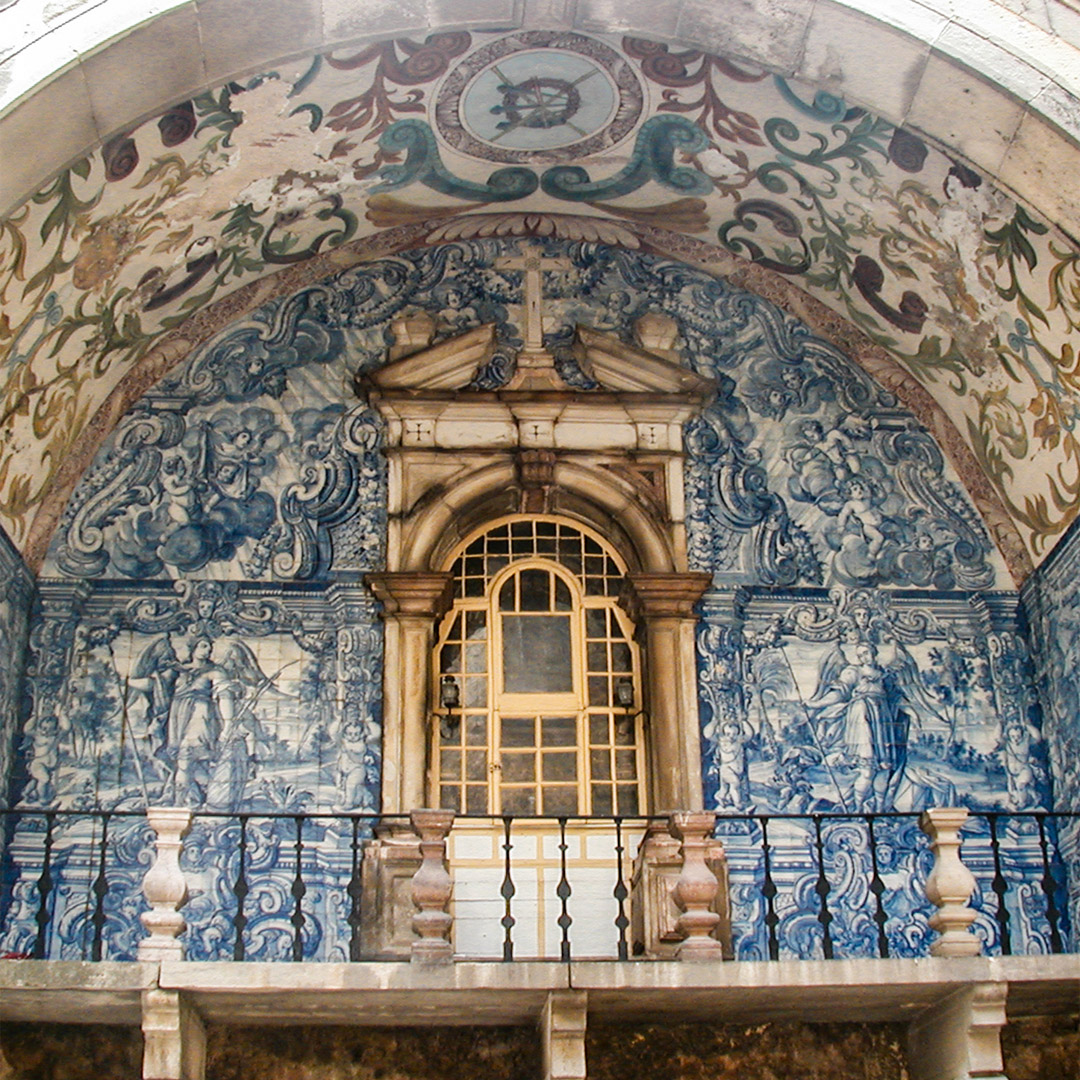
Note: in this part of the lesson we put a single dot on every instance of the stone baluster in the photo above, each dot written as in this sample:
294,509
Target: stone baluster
431,888
696,887
950,884
164,885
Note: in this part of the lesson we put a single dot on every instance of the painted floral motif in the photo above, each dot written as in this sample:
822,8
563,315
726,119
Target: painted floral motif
973,295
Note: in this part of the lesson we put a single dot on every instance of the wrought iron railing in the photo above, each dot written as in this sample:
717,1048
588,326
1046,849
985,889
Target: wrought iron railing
322,886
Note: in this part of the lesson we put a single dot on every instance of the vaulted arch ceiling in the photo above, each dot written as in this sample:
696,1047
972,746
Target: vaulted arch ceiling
221,154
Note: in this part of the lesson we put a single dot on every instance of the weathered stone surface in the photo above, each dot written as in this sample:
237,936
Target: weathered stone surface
1042,1047
70,1052
702,1051
324,1053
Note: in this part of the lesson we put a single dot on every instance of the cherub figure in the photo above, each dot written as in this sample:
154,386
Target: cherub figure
861,512
733,777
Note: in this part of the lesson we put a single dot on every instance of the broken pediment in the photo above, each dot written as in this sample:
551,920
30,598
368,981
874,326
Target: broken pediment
449,365
616,367
622,368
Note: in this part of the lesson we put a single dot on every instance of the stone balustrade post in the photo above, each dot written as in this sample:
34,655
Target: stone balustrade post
696,887
431,888
164,885
950,884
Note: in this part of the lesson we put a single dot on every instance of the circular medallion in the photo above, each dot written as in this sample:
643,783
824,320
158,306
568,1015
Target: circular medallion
538,96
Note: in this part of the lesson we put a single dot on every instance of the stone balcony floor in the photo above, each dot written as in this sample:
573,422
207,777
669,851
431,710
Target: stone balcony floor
389,993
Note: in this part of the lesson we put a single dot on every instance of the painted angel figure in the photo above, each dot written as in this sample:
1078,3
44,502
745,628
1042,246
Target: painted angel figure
868,700
236,757
209,718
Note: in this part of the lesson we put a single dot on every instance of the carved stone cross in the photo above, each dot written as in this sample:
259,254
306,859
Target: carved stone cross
532,262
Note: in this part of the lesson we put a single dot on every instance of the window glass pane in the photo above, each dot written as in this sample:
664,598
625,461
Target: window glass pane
476,799
506,595
600,764
476,625
519,800
620,656
476,692
476,730
628,799
624,731
545,528
451,765
517,768
476,765
560,800
535,590
474,586
518,731
598,731
597,654
626,764
521,528
598,690
559,731
601,799
562,595
560,765
536,654
450,659
450,797
476,656
596,622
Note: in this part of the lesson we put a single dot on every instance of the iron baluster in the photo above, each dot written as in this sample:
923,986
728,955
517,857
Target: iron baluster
877,887
44,887
563,893
101,889
240,891
822,889
507,892
620,893
1000,887
1049,886
355,891
298,890
768,890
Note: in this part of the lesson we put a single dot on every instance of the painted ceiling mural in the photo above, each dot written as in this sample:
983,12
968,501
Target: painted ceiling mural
621,141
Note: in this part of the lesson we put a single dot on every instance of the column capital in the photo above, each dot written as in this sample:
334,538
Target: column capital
659,596
412,592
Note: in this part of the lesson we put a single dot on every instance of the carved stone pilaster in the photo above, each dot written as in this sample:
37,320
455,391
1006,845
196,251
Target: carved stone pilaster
950,884
412,604
663,606
431,888
164,885
696,887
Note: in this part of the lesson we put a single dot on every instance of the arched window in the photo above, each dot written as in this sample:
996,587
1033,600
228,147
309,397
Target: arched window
537,677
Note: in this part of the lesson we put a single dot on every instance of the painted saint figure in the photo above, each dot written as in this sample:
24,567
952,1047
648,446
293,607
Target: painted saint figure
203,700
872,727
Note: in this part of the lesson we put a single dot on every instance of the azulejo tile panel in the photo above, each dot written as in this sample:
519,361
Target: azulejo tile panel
202,636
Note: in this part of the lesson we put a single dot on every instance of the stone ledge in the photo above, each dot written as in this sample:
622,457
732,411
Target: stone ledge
493,993
66,991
